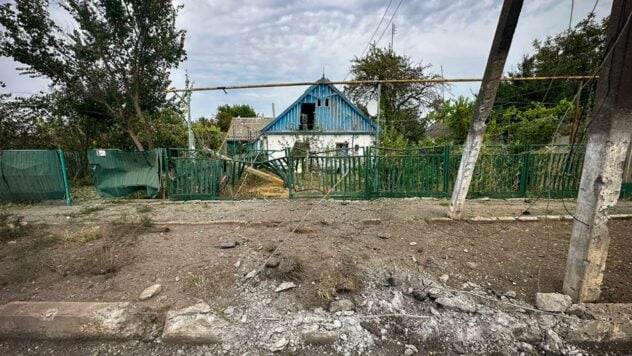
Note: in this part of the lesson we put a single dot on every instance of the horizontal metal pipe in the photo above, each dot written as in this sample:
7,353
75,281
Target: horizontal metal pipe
386,81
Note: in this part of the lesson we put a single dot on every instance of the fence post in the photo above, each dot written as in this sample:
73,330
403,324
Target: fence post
290,172
367,162
525,171
64,174
446,169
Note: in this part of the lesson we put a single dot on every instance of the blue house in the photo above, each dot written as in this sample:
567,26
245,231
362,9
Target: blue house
320,119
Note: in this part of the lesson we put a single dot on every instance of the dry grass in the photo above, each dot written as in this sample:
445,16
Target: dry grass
144,209
208,284
82,236
290,268
12,227
335,279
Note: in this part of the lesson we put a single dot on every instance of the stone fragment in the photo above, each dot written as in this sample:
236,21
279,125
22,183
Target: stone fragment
190,328
279,345
341,305
273,262
434,292
553,302
285,286
226,244
420,295
320,337
553,342
444,278
457,303
471,265
511,294
150,292
384,236
576,309
410,350
371,222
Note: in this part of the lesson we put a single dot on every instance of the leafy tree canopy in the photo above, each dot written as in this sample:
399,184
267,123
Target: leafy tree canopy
225,114
402,105
114,63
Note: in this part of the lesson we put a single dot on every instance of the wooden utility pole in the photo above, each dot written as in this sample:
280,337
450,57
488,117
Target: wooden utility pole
487,95
600,185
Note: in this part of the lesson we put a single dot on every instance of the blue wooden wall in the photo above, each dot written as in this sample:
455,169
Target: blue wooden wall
341,116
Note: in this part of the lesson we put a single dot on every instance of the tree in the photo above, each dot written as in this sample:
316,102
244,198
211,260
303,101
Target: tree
530,112
208,132
225,114
574,52
456,115
402,105
114,64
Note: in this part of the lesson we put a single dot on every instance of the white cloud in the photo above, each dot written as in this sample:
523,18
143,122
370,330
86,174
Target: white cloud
250,41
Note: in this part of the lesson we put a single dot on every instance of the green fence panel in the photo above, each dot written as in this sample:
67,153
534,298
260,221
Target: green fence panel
194,178
32,175
407,175
554,173
121,173
315,175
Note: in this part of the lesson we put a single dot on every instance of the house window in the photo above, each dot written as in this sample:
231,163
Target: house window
307,116
343,148
318,103
327,102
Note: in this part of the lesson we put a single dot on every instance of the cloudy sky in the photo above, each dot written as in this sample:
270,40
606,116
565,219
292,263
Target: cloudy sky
257,41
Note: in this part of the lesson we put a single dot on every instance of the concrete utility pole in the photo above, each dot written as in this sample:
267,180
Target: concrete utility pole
600,185
487,94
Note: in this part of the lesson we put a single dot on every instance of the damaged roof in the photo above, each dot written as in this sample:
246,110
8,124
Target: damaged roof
246,128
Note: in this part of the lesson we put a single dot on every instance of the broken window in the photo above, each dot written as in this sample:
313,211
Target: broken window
343,148
307,116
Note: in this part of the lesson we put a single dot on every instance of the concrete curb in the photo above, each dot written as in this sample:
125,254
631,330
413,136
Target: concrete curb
75,320
533,218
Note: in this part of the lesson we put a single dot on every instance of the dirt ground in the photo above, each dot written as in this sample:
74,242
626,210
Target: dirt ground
111,251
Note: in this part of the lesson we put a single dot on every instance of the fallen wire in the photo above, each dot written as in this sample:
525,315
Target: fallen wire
506,303
251,276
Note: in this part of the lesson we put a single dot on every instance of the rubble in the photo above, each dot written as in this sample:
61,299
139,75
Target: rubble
150,292
553,302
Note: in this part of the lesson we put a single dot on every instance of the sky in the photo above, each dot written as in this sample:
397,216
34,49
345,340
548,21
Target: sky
261,41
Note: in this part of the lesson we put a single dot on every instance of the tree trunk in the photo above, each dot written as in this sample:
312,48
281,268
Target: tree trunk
134,137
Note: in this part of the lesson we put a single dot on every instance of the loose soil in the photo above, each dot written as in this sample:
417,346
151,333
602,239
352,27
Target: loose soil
111,251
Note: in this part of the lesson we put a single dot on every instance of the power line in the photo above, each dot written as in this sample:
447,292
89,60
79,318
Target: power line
373,35
374,82
391,20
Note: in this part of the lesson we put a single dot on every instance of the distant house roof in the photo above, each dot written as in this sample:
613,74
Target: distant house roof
334,113
246,128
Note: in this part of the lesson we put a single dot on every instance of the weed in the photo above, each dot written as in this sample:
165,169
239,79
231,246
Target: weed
90,209
145,221
444,203
334,280
82,236
12,227
144,209
103,260
198,281
207,285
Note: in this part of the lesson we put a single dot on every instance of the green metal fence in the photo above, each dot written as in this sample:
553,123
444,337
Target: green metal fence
501,172
198,174
119,173
33,175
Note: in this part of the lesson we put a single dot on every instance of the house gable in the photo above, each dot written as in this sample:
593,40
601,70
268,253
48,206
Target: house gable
325,110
